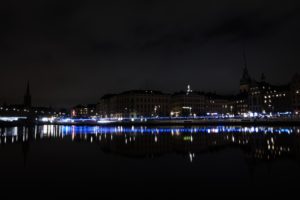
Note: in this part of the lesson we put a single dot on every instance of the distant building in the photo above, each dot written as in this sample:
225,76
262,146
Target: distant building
106,107
295,93
135,103
92,109
267,98
254,96
79,111
26,108
188,103
219,104
240,104
192,103
245,81
84,110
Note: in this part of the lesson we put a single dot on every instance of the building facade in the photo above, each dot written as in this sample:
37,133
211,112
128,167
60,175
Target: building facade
135,103
84,110
254,96
219,104
295,93
188,103
267,98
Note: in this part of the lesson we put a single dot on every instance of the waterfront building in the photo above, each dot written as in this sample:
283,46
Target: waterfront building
92,109
135,103
188,103
26,108
219,104
84,110
245,81
240,101
106,106
295,93
267,98
240,104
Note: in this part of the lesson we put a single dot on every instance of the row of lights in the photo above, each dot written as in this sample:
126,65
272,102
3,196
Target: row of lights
27,110
277,95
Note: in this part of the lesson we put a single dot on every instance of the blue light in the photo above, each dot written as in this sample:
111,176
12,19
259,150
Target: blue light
144,130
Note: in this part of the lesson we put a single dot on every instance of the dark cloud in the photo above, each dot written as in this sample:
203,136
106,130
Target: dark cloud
249,27
80,50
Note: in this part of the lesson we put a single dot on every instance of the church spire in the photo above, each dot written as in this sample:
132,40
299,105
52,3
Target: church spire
245,77
245,81
27,96
28,88
263,77
245,59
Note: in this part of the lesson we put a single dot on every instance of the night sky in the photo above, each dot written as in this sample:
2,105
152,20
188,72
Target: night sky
76,51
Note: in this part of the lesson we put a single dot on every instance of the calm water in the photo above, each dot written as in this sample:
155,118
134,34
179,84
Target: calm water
149,162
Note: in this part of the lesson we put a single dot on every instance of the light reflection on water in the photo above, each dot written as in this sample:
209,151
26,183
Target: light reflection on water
261,143
178,159
57,130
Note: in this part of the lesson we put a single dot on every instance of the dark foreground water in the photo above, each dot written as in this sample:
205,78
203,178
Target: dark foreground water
149,162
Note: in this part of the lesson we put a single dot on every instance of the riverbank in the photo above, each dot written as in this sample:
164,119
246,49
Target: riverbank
192,122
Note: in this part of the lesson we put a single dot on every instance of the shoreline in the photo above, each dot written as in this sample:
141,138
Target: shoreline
166,123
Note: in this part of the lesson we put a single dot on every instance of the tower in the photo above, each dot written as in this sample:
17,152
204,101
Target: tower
246,79
27,97
188,90
263,78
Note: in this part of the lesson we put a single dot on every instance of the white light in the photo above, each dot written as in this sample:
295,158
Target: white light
191,157
103,121
44,119
10,119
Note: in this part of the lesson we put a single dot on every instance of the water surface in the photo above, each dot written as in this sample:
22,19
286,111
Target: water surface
149,161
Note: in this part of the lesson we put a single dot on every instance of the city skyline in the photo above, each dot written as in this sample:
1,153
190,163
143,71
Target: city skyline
149,98
254,96
27,94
